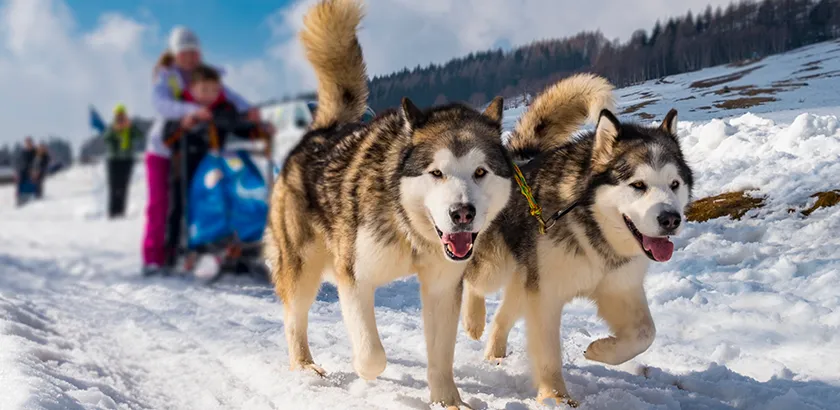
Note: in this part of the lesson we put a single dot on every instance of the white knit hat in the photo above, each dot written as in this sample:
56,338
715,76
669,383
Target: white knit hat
182,39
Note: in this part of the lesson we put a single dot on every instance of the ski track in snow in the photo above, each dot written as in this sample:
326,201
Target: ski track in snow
747,312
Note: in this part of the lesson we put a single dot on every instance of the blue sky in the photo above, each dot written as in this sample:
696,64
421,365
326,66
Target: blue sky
231,29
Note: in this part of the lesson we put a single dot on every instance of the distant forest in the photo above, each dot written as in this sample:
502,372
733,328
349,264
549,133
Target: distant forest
742,31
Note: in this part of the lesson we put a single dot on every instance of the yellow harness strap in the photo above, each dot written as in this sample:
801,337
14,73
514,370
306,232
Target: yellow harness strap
536,211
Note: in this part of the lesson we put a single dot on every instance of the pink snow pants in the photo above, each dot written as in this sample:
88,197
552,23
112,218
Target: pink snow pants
157,177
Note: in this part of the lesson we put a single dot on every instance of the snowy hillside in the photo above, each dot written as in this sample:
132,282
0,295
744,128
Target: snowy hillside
806,79
747,312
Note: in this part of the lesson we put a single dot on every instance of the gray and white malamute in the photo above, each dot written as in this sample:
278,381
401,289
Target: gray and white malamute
625,187
412,191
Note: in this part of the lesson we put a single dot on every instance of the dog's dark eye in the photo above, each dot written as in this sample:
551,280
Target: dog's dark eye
639,185
437,174
480,172
675,185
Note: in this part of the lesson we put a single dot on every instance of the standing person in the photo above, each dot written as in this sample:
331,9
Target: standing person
172,76
23,168
40,168
120,139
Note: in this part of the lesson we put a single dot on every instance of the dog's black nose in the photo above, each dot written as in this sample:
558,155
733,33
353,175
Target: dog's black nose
462,214
669,220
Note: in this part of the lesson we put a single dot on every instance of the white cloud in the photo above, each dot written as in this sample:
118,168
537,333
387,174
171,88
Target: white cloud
50,70
116,33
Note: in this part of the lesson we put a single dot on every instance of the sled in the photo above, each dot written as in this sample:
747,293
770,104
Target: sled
225,202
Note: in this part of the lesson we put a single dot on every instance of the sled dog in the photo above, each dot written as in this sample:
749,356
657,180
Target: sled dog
412,191
624,186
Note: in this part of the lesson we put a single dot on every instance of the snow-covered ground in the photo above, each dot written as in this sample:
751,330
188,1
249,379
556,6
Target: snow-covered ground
806,79
747,312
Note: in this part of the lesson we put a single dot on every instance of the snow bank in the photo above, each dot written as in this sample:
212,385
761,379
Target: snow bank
786,163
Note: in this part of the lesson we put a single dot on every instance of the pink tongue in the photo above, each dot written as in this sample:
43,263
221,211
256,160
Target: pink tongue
661,248
459,243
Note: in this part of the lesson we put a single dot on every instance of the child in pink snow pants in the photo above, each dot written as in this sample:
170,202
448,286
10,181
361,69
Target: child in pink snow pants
157,178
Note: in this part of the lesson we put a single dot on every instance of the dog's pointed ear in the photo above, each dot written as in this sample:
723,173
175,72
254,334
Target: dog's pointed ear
606,133
412,116
495,111
669,124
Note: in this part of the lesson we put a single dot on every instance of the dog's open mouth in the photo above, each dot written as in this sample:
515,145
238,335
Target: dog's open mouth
458,245
659,249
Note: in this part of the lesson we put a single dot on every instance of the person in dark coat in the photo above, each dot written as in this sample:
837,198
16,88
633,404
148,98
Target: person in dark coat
23,167
40,168
120,140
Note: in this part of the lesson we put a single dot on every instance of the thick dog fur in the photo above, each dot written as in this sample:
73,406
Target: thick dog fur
334,52
617,171
559,112
406,193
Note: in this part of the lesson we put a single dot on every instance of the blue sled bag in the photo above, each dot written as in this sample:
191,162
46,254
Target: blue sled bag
228,196
208,216
247,195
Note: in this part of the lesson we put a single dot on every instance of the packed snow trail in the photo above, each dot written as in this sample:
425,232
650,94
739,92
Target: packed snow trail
747,312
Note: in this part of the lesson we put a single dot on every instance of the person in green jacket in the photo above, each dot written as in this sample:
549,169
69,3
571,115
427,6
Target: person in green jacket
120,139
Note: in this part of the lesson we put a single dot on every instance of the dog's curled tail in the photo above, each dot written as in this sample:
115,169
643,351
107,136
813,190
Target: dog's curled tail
558,112
329,39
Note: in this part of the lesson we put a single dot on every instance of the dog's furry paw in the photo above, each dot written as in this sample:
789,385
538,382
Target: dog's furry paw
460,406
494,358
474,328
495,352
474,316
312,367
603,351
448,398
553,398
371,365
613,351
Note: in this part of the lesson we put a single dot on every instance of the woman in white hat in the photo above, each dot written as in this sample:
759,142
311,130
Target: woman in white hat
171,77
